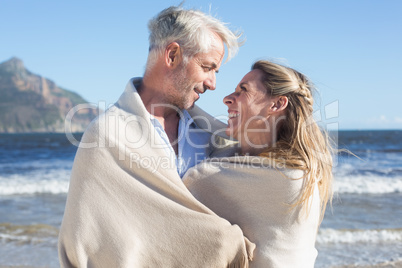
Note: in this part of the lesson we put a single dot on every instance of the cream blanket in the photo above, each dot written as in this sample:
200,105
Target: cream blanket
128,207
248,192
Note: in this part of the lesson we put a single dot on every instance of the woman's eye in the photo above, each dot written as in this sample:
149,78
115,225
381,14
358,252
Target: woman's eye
207,69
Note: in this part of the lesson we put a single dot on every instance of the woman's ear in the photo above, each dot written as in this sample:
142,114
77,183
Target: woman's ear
279,103
173,55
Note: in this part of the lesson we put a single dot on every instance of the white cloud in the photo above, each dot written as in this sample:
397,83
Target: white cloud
383,119
398,120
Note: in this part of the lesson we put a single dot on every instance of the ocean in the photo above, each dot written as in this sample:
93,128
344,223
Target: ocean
363,227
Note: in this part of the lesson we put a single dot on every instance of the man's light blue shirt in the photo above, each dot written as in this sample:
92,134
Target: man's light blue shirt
192,142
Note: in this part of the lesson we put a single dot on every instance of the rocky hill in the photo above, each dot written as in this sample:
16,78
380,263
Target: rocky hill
32,103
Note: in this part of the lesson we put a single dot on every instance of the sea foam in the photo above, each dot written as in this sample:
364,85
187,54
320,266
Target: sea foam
360,184
328,235
56,181
53,182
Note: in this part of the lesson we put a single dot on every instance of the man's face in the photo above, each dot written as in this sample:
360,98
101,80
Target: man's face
193,79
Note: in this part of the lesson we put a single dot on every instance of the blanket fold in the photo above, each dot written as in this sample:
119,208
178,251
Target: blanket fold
257,195
128,207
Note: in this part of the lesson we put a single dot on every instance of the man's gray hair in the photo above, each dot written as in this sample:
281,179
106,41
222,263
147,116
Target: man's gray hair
192,29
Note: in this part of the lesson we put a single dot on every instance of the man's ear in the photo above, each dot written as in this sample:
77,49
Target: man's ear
279,103
173,55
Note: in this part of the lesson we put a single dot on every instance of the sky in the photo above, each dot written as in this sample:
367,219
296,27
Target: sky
350,49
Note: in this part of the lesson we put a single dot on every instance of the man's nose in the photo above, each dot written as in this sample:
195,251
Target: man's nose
210,82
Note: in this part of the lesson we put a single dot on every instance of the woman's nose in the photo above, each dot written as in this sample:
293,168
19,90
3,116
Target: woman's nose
228,100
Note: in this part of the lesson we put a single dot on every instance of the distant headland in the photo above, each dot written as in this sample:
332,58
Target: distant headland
30,103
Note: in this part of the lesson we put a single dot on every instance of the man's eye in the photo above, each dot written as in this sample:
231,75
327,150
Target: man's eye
207,69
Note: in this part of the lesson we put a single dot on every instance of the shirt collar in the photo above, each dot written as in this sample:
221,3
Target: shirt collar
185,118
188,120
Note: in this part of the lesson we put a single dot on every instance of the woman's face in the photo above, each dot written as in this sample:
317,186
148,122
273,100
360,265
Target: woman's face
249,108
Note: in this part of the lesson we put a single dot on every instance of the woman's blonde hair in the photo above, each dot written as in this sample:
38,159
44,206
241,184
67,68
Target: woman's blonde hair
300,142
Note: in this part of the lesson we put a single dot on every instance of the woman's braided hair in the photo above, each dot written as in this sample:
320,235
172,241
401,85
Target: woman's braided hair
301,144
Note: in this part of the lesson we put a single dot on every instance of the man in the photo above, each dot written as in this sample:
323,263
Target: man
182,65
127,205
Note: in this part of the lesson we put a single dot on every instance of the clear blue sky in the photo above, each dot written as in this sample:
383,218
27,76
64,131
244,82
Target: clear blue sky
352,50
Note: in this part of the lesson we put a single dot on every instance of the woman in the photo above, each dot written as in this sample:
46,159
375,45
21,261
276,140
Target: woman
275,183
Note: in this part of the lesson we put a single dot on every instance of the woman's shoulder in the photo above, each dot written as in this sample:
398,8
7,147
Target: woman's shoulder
244,169
249,163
